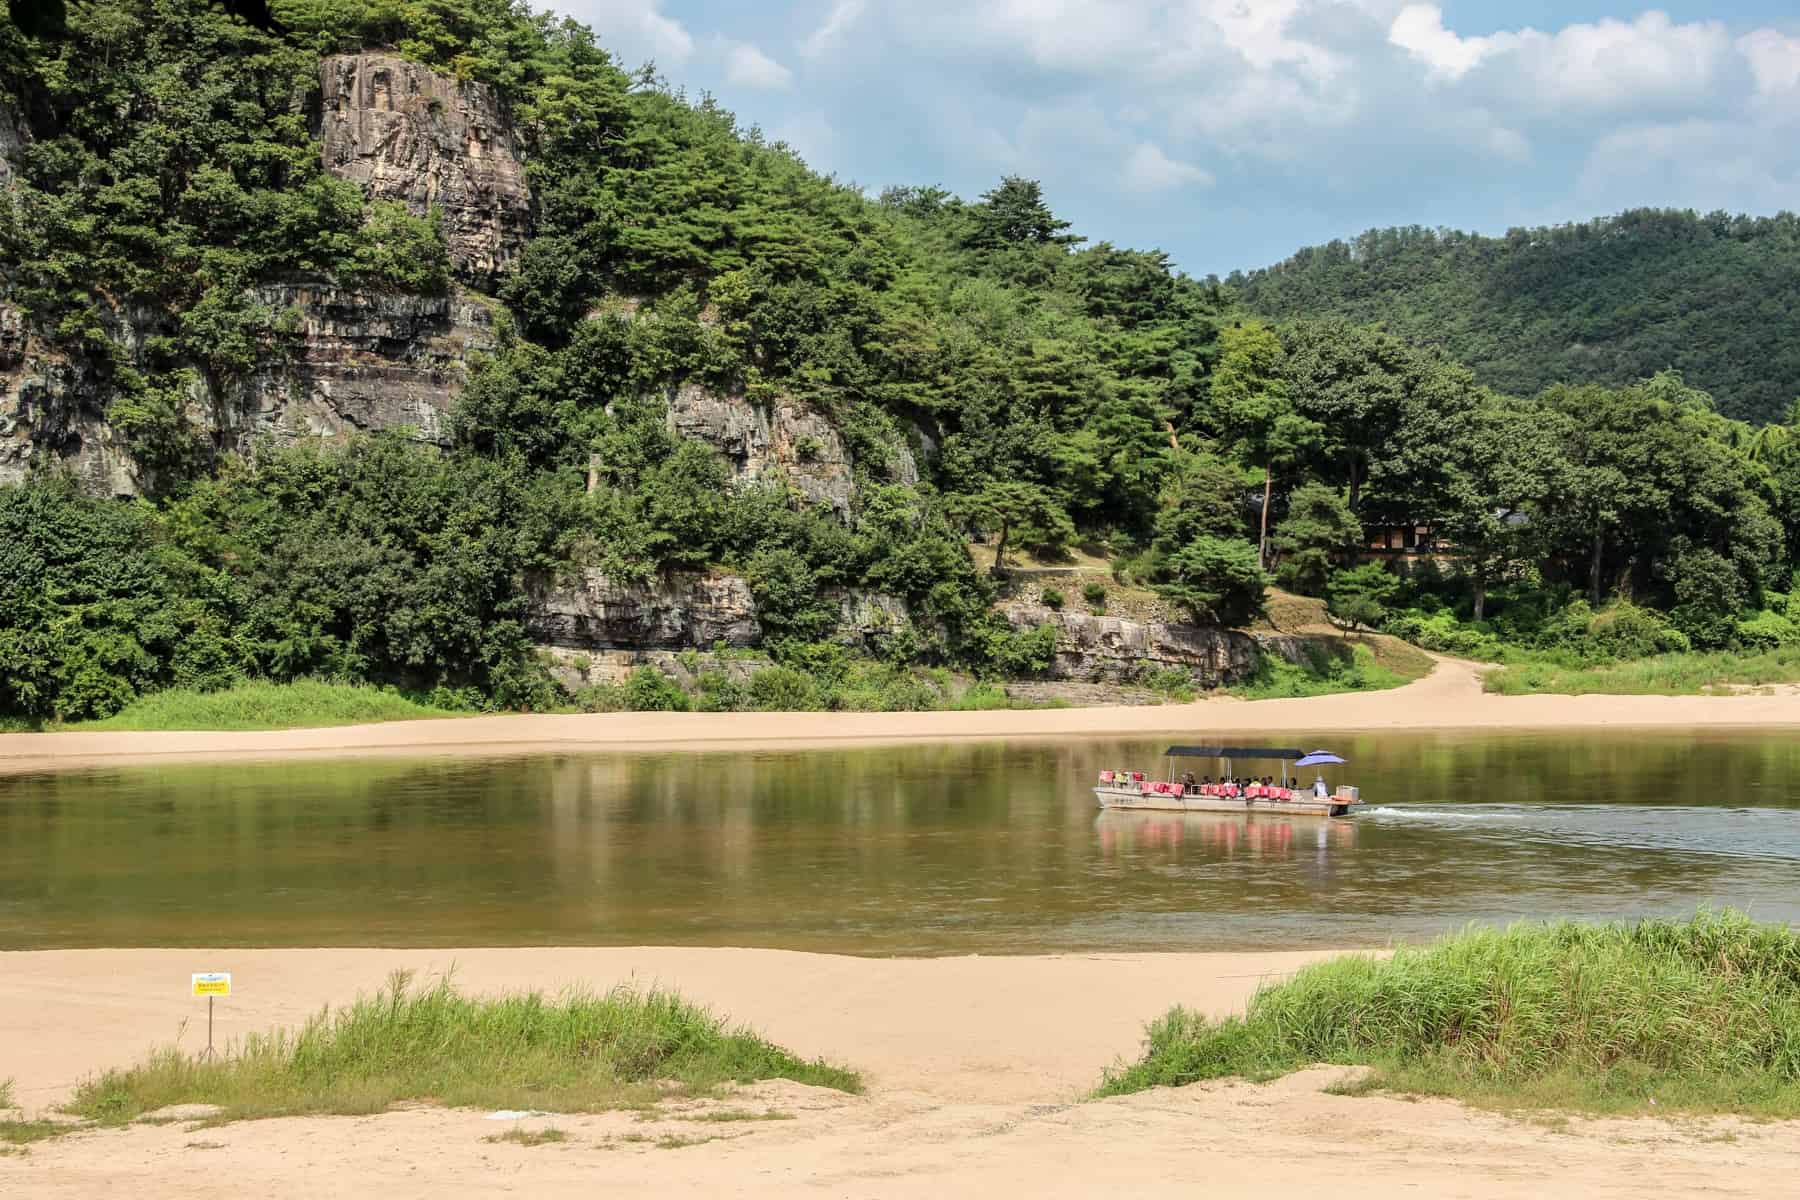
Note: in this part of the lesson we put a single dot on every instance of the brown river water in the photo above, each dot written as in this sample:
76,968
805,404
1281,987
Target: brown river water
986,849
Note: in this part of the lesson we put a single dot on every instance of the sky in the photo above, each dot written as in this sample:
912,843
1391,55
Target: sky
1232,132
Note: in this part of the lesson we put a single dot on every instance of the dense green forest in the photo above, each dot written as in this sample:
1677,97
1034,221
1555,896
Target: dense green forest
1053,394
1612,301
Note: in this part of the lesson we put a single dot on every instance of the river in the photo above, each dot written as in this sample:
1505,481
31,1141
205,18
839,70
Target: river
986,849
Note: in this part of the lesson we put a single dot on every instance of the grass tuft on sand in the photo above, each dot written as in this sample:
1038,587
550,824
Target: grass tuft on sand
529,1137
303,704
578,1053
1657,1016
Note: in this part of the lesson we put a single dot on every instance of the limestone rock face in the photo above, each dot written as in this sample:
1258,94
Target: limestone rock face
405,133
1114,650
354,360
51,412
685,609
783,442
338,360
14,137
591,612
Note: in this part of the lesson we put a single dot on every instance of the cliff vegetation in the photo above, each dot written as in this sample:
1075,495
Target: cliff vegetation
421,344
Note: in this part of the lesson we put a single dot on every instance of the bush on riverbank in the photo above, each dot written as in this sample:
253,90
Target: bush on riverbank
1547,641
1700,1015
581,1053
1324,674
302,704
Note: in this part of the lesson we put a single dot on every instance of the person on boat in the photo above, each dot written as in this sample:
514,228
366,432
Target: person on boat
1319,787
1187,782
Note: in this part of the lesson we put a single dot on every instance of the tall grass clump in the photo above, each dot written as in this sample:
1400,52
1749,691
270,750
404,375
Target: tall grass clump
302,704
1660,675
579,1053
1701,1015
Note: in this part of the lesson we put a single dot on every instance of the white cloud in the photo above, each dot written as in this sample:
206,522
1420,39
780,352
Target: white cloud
1707,165
1419,30
1605,64
635,29
843,16
746,66
1774,60
1148,169
1259,31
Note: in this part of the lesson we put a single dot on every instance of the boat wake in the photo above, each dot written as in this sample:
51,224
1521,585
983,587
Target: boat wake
1764,833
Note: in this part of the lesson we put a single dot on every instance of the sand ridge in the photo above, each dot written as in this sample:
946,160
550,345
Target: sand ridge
1450,698
977,1067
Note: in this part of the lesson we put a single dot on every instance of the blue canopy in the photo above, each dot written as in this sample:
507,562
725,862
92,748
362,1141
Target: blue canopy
1318,758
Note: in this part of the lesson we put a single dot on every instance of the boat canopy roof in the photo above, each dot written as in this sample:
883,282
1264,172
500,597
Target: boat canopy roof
1234,752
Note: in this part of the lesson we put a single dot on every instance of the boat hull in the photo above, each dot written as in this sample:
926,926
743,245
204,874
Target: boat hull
1132,800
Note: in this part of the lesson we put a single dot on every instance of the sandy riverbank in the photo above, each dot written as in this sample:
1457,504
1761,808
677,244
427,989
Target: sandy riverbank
975,1065
1449,698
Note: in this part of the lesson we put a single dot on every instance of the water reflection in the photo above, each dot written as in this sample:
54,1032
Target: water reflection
988,848
1222,835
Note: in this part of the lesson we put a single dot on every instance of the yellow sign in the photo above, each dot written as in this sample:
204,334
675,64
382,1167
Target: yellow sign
212,983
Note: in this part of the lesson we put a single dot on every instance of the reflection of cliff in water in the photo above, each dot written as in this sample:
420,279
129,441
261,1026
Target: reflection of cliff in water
1223,835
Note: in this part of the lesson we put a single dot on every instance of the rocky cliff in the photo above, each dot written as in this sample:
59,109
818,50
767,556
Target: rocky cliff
404,133
591,611
13,139
346,360
1114,650
337,360
781,443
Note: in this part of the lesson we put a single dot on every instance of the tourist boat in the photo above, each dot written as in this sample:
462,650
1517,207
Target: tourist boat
1130,790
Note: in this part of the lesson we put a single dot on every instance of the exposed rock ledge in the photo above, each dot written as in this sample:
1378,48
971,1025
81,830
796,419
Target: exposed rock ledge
345,360
591,611
683,610
1113,650
780,442
404,133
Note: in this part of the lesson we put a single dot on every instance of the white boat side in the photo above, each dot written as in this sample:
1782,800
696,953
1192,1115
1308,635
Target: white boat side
1134,798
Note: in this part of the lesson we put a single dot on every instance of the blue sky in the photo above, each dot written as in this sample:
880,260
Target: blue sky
1231,132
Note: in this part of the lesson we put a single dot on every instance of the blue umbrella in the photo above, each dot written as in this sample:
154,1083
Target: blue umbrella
1319,758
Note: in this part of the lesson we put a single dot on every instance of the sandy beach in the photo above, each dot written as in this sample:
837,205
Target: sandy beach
1449,698
976,1070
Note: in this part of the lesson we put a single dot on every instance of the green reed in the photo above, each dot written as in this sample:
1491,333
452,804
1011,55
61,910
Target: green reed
577,1053
1698,1015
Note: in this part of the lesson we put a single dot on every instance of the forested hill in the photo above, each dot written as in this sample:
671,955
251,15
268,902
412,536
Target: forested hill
1610,301
418,343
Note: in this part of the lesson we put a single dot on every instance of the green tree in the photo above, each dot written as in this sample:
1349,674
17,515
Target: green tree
1319,533
1497,464
1015,214
1216,580
1250,398
1022,511
1358,597
1205,497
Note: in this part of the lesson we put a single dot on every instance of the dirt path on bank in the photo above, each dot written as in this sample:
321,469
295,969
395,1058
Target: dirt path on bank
976,1067
1450,698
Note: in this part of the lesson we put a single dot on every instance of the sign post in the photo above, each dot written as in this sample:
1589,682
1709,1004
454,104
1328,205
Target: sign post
212,985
